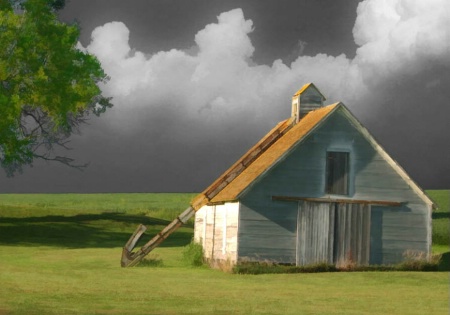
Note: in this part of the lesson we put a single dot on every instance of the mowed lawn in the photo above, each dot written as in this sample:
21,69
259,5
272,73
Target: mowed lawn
60,254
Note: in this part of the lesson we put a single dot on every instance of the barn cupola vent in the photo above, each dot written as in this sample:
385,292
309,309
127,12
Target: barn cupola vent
307,99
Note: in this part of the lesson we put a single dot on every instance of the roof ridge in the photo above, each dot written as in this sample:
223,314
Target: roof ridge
241,164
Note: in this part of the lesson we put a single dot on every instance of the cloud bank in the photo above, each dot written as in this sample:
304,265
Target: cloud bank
186,115
220,78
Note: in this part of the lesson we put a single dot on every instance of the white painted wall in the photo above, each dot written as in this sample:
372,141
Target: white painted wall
216,228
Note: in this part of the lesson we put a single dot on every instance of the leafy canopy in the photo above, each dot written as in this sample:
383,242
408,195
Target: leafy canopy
47,85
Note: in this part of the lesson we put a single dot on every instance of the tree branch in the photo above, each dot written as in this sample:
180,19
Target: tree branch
62,159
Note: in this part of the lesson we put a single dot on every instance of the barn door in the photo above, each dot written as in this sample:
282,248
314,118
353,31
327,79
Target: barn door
352,233
333,233
315,232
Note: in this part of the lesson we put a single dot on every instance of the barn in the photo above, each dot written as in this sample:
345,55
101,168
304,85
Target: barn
317,188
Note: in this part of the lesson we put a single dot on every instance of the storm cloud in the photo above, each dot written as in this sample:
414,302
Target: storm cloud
181,117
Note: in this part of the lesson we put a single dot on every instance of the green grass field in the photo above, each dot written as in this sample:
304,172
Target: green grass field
60,254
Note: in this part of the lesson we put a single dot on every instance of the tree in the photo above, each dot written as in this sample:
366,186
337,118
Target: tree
48,86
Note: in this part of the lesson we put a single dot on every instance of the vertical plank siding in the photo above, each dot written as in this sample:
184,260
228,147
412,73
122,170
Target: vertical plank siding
216,229
333,233
352,234
315,233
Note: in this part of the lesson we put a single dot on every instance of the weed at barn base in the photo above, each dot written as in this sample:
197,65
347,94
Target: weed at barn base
152,260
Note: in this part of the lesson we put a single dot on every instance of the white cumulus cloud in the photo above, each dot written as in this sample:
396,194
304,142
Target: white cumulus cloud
220,80
215,93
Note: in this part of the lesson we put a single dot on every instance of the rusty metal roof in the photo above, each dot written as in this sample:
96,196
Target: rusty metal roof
260,158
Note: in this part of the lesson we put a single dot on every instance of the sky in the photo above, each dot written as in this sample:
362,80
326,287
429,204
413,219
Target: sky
196,83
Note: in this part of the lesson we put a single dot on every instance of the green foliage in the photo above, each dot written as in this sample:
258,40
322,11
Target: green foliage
256,268
151,260
47,85
441,217
193,254
417,265
417,261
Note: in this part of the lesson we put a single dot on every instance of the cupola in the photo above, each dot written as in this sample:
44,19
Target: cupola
307,99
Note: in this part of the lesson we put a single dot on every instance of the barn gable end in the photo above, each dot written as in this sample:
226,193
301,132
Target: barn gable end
301,174
322,189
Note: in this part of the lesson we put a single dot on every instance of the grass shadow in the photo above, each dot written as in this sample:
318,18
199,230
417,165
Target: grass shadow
444,264
105,230
441,215
112,216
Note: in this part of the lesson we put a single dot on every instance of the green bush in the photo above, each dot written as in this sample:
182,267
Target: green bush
417,261
151,261
193,254
256,268
417,265
441,216
268,267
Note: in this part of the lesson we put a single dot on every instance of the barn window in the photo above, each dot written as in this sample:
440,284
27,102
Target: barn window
337,173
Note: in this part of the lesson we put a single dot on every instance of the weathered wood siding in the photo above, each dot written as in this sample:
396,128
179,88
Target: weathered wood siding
352,234
315,233
267,233
268,228
401,229
336,233
216,229
310,100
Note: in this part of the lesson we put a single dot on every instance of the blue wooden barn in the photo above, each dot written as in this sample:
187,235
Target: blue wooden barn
317,188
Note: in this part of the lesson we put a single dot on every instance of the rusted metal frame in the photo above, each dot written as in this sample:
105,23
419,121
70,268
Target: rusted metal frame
130,259
127,254
334,200
135,237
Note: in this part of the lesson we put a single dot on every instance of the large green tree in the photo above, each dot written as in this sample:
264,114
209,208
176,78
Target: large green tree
48,86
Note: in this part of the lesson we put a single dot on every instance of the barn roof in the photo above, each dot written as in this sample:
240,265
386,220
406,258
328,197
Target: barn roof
260,158
273,154
272,147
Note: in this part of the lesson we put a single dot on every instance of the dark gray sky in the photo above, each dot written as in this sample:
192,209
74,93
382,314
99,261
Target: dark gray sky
196,83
